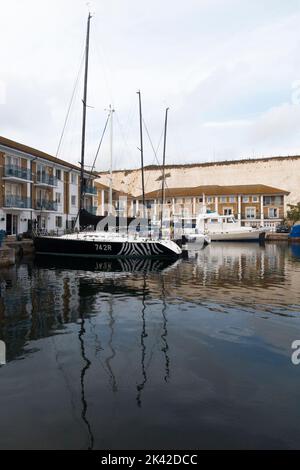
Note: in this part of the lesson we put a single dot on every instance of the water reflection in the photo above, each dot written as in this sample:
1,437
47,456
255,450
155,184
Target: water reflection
140,387
37,299
139,342
295,249
164,335
106,265
110,358
87,365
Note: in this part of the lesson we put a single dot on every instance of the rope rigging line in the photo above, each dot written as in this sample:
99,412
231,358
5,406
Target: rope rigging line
99,147
94,163
70,105
125,141
155,154
154,151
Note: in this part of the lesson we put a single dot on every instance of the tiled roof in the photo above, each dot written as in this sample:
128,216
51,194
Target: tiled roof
215,190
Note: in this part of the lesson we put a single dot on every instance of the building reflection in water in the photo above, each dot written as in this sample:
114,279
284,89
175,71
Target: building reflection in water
37,301
45,299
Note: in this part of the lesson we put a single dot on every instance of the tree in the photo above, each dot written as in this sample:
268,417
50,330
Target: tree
293,215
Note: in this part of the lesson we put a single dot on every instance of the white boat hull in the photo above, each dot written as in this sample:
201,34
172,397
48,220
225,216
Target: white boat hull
247,236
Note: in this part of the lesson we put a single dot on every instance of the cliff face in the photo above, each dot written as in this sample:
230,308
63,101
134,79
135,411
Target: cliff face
280,172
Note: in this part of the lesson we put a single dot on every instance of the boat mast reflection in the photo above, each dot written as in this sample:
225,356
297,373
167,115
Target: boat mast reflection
87,364
110,358
140,387
164,335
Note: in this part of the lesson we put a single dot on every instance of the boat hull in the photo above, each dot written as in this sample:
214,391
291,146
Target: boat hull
294,236
237,237
56,246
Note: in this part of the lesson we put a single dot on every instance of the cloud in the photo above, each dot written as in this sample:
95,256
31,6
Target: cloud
278,124
226,69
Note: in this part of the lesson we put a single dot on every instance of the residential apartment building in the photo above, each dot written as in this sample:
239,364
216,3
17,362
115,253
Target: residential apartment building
253,205
39,190
122,203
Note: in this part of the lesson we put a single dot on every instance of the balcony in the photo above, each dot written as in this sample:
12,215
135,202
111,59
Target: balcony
43,179
17,202
44,205
90,190
17,173
273,201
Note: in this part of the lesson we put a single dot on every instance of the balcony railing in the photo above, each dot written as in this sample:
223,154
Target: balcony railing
48,180
91,209
45,205
17,172
90,190
17,201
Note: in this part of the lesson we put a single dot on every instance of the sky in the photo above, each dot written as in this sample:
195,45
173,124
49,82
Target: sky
229,70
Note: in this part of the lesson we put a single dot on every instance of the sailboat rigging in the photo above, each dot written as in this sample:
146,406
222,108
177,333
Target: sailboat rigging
163,175
100,244
142,151
84,106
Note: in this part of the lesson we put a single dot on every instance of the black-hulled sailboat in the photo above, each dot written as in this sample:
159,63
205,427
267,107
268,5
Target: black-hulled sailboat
101,244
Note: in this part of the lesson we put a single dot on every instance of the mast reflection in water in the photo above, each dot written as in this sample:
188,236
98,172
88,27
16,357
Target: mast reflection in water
150,354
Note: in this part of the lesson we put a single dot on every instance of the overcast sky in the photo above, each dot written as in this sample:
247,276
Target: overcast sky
228,69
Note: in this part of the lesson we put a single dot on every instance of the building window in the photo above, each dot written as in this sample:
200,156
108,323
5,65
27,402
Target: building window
270,200
73,178
227,211
231,198
200,200
246,199
12,161
267,200
255,199
223,199
12,189
58,198
273,213
73,200
40,173
250,212
58,222
210,200
58,174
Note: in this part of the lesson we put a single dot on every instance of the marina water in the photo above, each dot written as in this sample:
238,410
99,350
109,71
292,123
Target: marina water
127,354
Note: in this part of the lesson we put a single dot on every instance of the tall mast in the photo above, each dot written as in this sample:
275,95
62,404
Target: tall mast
163,175
111,112
84,103
142,150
